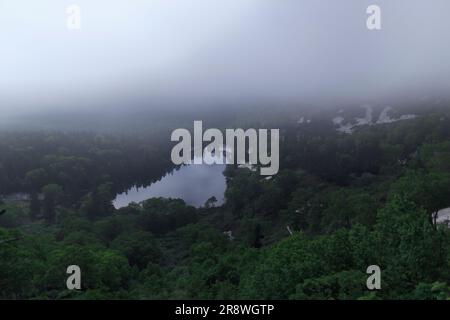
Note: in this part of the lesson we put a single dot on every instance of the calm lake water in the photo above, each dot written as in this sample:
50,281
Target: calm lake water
193,183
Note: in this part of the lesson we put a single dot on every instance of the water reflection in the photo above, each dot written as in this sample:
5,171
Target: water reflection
193,183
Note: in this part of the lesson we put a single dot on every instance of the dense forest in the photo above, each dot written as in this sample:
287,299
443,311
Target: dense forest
340,203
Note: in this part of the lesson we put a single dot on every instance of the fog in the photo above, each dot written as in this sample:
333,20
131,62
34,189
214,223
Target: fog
186,53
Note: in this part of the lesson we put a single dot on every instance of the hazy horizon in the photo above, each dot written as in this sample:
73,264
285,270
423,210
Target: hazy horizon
182,54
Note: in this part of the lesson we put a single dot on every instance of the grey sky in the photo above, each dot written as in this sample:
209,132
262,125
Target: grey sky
181,52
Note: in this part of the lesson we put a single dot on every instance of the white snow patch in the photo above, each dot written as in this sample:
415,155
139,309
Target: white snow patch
384,116
338,120
247,166
443,216
407,117
368,119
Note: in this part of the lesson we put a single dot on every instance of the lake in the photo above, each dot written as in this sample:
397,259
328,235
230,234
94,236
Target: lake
194,183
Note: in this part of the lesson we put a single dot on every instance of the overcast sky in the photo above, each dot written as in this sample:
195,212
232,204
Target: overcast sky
184,52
